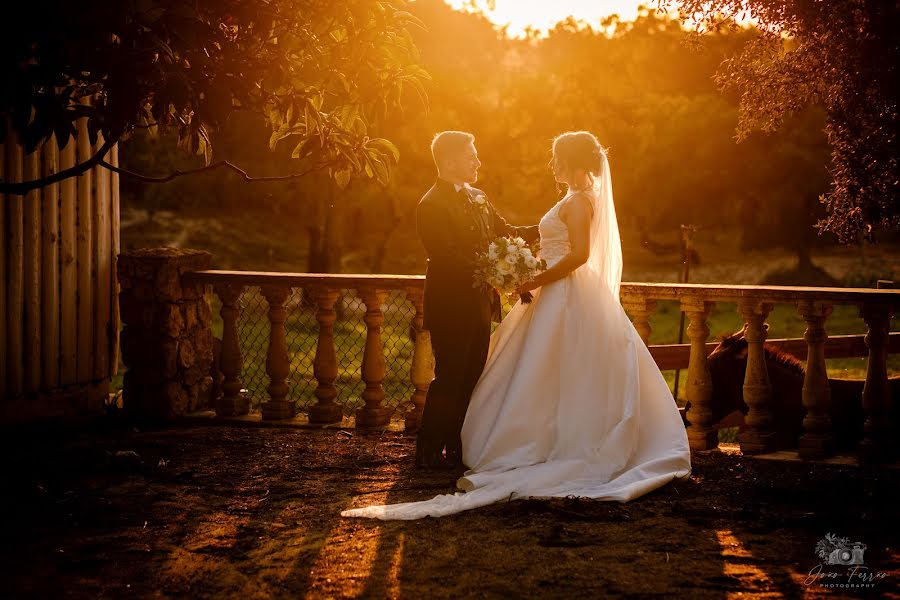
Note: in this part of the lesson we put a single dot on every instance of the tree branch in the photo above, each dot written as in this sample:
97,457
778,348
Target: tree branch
23,187
216,165
20,188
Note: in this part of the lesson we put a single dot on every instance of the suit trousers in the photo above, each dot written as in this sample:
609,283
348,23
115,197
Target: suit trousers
460,343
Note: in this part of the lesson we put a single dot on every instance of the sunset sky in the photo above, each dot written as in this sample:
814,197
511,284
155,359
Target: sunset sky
543,14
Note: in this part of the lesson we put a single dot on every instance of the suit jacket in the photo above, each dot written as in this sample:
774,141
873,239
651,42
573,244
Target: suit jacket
453,231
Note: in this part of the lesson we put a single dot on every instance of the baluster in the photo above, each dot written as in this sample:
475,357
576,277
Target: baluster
422,370
373,414
759,436
640,309
325,367
277,361
876,397
701,434
817,440
233,401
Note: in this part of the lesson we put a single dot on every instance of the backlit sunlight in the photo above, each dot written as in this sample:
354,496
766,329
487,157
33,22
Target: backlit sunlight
543,15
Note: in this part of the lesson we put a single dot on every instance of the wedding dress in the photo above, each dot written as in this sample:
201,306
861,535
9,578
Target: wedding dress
570,402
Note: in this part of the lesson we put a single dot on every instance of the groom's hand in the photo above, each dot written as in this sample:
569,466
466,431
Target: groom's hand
527,287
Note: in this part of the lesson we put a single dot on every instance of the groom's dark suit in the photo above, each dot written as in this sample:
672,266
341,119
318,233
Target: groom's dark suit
454,227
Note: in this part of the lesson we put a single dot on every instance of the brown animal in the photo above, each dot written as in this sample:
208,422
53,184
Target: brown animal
727,364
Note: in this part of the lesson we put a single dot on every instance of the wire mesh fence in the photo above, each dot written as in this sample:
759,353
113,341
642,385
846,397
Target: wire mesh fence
302,333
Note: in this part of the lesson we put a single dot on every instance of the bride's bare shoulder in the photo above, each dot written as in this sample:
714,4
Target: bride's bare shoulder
581,202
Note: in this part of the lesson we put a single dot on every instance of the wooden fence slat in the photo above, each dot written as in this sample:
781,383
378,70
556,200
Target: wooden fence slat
50,306
68,268
16,282
3,252
116,248
84,320
32,270
101,257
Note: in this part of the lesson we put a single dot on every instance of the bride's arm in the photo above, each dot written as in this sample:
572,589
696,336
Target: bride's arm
576,214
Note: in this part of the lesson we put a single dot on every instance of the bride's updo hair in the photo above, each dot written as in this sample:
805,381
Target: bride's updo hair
579,150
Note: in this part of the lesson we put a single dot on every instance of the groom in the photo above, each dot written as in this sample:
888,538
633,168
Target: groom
456,221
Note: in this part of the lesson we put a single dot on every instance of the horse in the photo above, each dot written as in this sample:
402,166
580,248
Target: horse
727,365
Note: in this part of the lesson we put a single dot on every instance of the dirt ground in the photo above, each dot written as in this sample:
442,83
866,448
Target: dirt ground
221,511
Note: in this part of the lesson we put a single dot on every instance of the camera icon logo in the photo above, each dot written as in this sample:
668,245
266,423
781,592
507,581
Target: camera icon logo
850,554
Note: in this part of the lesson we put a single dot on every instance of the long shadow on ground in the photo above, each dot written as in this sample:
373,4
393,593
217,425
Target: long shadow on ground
229,511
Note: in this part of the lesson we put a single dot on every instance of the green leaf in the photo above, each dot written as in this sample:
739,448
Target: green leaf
289,117
204,145
348,153
382,173
278,135
342,178
385,146
305,147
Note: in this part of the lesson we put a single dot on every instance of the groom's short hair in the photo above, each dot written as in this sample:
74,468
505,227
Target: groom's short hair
447,143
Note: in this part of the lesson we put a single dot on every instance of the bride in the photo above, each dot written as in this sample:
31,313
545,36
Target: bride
570,402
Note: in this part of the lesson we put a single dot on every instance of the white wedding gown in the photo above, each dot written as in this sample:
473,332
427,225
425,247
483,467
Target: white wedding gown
570,402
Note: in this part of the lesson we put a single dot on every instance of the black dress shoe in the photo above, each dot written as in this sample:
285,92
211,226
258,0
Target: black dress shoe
454,457
429,458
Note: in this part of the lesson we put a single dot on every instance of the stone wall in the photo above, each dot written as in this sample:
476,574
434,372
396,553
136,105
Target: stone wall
167,343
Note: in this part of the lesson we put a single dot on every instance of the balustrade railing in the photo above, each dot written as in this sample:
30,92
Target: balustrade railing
320,342
329,378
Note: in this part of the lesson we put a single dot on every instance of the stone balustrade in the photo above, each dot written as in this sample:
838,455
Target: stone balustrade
754,303
877,307
325,290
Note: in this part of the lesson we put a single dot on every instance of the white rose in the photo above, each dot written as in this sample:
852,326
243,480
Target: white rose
493,251
512,249
504,267
526,252
530,262
478,199
511,259
519,242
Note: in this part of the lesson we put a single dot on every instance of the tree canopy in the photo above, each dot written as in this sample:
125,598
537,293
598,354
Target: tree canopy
649,97
844,56
319,72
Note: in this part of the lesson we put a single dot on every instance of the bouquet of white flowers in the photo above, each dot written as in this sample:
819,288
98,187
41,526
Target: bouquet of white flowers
508,263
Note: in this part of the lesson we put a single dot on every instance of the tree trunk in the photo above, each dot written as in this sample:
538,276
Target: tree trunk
806,239
325,243
380,249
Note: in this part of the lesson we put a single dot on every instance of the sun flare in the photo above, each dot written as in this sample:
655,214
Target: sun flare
542,15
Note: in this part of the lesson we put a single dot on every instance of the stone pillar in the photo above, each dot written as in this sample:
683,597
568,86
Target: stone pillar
278,363
422,368
373,414
167,336
233,401
701,434
877,444
640,309
817,440
325,367
759,437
